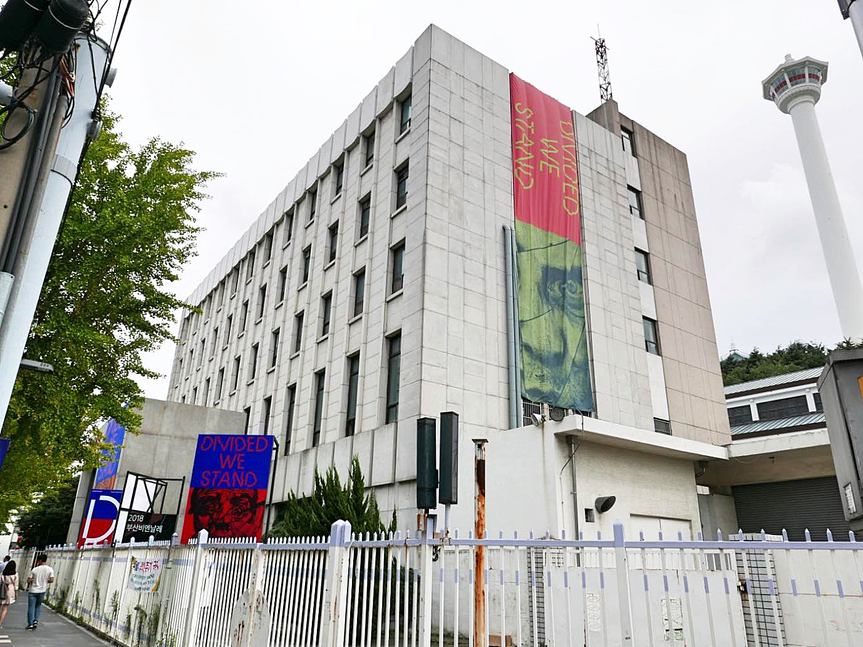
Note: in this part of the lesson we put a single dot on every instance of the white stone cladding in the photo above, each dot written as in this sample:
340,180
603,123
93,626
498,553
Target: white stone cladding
451,312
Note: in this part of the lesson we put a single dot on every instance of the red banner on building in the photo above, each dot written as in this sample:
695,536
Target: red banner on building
544,162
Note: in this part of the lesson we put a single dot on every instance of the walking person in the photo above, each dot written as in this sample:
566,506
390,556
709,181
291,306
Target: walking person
8,588
37,583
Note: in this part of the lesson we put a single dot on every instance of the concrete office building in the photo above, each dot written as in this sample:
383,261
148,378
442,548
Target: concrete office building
372,291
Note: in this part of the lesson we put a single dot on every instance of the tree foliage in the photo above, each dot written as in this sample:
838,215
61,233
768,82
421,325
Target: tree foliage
128,230
797,356
46,521
313,516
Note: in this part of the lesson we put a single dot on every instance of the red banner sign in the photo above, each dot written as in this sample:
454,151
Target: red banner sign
544,162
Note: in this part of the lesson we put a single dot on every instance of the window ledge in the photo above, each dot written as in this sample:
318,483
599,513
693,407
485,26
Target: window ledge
249,279
197,368
402,135
295,354
323,338
287,244
234,392
216,403
271,369
302,285
361,240
279,304
266,263
250,382
232,295
241,334
402,208
218,310
330,264
365,170
259,320
309,223
336,197
212,357
395,294
355,318
225,347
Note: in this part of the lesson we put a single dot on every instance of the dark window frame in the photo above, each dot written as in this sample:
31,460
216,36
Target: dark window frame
333,247
626,135
262,302
391,397
735,419
290,404
791,407
365,215
651,329
402,174
353,394
299,321
266,413
282,285
405,114
253,361
289,228
235,373
326,313
338,178
274,347
643,273
636,209
368,149
320,393
313,204
359,292
307,263
397,280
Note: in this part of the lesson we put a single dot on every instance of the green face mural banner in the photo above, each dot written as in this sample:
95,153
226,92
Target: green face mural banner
554,360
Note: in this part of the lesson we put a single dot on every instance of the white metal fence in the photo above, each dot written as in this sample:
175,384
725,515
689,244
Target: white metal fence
424,591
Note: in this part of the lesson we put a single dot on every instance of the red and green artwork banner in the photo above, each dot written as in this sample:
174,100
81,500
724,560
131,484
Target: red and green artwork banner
554,357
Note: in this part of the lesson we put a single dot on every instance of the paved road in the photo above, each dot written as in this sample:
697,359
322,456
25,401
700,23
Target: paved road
54,630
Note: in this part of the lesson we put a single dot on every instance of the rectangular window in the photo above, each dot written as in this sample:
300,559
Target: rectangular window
635,202
274,347
369,149
253,362
298,332
819,406
206,391
195,395
220,299
215,345
739,415
235,374
783,408
235,280
191,362
326,309
661,426
183,400
229,322
359,292
250,265
365,215
262,300
393,377
289,227
319,407
307,263
313,204
628,139
283,283
651,338
642,266
268,247
220,383
248,412
402,186
180,368
268,405
338,178
398,263
405,115
353,386
202,352
290,402
334,242
244,315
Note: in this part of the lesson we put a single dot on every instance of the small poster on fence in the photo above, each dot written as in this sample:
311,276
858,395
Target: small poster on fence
145,575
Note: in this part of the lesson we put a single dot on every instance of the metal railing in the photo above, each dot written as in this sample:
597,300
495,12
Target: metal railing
421,590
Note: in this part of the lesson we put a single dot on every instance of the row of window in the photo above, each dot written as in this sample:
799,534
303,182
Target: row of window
774,409
401,176
391,401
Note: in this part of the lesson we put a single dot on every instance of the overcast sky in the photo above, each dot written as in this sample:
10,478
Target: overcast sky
256,87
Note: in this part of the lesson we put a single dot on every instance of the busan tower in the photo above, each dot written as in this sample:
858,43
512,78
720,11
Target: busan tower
795,87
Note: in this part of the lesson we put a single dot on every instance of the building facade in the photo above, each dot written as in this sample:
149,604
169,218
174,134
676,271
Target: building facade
373,291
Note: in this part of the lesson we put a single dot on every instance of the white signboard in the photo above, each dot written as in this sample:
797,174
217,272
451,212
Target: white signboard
145,574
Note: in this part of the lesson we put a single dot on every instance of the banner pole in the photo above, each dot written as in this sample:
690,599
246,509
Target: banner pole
272,486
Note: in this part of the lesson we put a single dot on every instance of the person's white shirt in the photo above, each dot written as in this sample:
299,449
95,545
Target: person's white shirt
41,577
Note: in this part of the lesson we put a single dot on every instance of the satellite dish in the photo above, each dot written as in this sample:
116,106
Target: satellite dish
557,413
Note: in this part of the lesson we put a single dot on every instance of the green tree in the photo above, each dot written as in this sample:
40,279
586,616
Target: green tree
797,356
330,501
128,230
46,521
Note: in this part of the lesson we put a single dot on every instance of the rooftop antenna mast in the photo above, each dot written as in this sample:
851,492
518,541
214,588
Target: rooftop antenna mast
602,67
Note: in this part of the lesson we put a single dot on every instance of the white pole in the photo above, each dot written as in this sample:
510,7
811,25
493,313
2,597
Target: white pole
855,13
841,265
40,232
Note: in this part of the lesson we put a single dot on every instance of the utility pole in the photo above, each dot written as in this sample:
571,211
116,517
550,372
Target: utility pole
479,601
853,9
29,262
795,88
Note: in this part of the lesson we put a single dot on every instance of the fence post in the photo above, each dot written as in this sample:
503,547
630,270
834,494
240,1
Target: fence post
191,629
256,593
335,598
116,633
426,578
621,567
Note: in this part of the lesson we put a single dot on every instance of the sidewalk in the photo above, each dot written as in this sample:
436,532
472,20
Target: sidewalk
54,630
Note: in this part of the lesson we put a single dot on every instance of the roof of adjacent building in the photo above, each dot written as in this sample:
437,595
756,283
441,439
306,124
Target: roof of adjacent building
760,427
797,377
